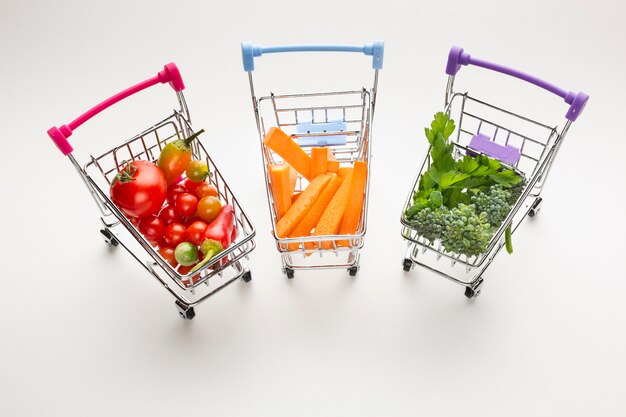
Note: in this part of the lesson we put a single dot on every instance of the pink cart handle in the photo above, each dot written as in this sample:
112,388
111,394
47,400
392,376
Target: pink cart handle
59,135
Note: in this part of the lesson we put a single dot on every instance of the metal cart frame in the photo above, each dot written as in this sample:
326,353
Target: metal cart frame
97,173
355,109
538,143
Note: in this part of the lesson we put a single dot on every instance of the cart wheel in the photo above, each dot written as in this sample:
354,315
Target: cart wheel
289,272
534,210
186,312
353,270
474,289
247,276
407,264
109,239
469,292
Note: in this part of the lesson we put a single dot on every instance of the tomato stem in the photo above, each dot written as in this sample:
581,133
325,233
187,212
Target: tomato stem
192,137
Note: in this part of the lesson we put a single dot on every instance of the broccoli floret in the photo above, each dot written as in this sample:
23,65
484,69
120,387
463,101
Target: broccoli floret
465,231
515,191
494,203
429,223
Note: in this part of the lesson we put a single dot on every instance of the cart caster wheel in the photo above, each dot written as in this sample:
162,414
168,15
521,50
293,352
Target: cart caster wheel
407,265
247,276
186,312
469,292
534,210
353,271
289,272
474,290
109,239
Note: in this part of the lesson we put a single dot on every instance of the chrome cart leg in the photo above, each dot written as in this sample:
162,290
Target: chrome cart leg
534,210
474,289
407,263
289,272
354,269
109,238
186,312
246,276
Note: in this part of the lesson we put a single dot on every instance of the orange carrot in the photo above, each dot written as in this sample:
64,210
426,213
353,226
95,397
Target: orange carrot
330,222
344,171
294,197
297,211
352,215
315,213
283,145
333,164
281,189
293,178
319,161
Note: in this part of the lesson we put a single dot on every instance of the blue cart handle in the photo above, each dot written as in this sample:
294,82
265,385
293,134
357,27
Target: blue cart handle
250,51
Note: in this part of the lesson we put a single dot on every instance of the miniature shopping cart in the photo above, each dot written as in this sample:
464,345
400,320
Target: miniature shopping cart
98,172
340,120
520,143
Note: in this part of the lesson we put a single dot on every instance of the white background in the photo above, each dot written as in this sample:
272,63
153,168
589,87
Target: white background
86,331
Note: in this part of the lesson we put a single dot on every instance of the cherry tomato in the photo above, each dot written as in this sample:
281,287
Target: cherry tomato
186,254
168,215
168,254
139,189
209,208
173,191
189,220
197,170
192,186
186,205
175,234
195,231
184,270
152,228
205,190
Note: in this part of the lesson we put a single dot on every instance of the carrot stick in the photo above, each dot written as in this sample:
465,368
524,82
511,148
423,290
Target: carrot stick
330,222
352,215
315,213
293,178
319,161
283,145
295,196
344,171
303,204
333,164
281,188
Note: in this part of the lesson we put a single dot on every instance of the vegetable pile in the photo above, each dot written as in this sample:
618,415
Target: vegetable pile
461,202
181,216
331,203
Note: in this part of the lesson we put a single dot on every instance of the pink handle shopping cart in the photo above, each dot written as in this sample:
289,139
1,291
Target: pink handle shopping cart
99,171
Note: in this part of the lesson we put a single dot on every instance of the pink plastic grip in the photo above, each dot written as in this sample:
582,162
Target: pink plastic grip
59,135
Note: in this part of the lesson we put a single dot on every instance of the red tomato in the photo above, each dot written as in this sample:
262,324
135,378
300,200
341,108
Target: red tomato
173,191
174,234
192,186
195,231
186,205
139,189
184,270
152,228
205,190
168,254
168,216
209,208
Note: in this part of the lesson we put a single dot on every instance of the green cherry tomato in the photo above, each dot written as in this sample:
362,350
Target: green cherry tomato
197,171
186,254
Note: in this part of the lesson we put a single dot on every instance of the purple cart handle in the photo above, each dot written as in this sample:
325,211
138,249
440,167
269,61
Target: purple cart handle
577,101
170,74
